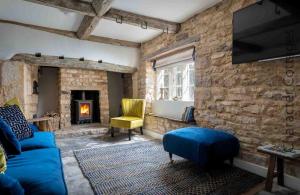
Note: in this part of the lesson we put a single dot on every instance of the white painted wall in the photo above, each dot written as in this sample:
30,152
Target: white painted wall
16,39
170,109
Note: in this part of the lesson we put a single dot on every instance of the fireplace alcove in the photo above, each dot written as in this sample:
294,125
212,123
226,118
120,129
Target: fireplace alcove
85,107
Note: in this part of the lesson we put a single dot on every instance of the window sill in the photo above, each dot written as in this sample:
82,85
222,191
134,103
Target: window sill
172,119
164,117
183,101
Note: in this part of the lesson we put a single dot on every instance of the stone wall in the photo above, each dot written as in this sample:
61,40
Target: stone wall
12,77
30,99
127,85
79,79
162,125
17,81
135,79
146,80
253,99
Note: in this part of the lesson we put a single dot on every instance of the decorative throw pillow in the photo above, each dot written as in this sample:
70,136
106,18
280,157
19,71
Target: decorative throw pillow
1,146
2,160
8,139
13,116
14,101
190,116
33,127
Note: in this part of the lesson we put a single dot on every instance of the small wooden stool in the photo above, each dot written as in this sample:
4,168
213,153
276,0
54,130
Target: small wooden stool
42,123
276,157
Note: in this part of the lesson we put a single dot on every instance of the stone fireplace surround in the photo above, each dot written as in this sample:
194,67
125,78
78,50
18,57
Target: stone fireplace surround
79,79
17,79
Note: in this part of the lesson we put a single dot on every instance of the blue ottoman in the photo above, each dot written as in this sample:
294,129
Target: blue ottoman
201,145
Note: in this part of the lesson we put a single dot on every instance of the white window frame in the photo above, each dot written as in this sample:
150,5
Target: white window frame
173,70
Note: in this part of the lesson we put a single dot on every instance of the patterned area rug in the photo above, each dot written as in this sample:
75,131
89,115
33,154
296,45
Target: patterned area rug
144,168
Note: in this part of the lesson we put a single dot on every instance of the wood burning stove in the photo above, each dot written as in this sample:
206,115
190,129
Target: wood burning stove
84,110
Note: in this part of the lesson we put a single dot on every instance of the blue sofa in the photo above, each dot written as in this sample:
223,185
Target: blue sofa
38,168
201,145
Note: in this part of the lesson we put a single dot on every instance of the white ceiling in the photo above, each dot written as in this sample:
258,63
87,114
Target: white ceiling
32,13
171,10
108,28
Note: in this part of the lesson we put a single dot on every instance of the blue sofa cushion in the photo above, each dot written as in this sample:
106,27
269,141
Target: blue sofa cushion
39,140
33,127
13,116
10,186
8,139
39,171
201,145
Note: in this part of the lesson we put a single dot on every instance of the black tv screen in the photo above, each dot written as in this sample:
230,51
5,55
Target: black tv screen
266,30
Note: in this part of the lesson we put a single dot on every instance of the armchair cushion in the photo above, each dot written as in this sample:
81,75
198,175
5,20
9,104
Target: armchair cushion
127,122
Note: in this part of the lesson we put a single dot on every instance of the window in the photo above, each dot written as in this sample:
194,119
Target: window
176,81
163,83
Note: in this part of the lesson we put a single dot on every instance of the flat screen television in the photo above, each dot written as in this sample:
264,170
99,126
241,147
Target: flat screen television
265,30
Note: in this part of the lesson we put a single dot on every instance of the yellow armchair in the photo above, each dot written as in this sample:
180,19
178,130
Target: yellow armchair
133,116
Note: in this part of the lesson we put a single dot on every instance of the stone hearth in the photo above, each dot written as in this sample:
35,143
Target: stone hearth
82,130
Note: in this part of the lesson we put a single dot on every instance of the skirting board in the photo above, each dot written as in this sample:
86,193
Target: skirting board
153,134
290,181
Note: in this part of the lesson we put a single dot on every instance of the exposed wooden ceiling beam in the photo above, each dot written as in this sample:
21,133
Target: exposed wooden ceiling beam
72,34
77,6
96,11
142,21
89,23
111,41
54,61
41,28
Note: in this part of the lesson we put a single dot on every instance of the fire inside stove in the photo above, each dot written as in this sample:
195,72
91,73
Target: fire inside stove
85,109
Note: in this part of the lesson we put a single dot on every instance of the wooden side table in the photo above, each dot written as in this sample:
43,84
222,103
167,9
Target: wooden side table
42,123
276,157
